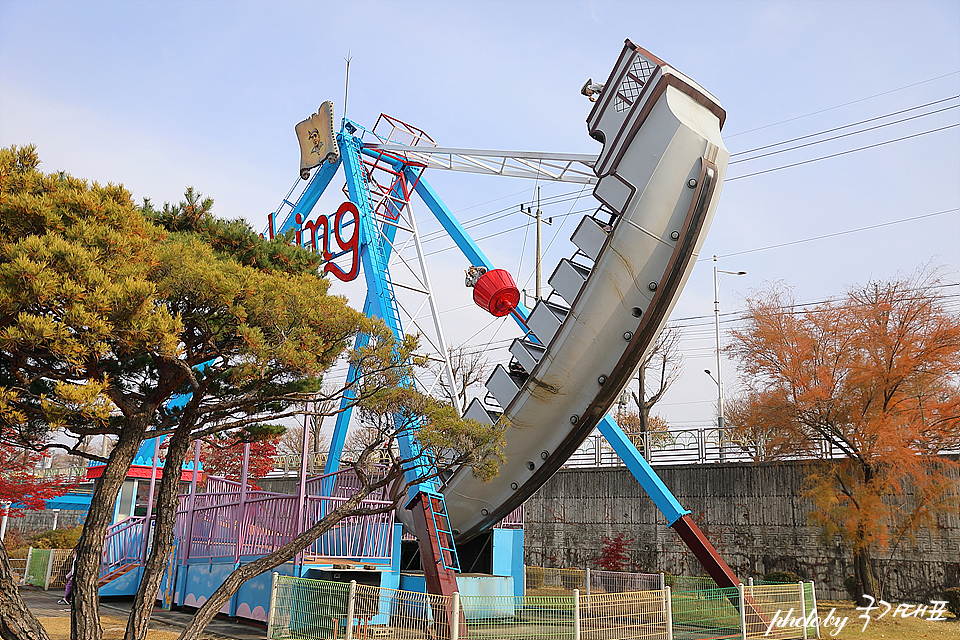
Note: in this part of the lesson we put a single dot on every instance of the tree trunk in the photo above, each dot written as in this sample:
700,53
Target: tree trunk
864,573
85,621
235,580
862,562
163,533
644,409
16,621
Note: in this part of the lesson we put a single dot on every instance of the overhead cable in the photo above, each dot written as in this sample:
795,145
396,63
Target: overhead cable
845,104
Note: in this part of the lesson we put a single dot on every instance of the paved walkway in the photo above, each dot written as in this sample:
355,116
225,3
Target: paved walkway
43,604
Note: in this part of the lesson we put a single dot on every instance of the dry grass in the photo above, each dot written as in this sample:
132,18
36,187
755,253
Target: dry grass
888,627
113,628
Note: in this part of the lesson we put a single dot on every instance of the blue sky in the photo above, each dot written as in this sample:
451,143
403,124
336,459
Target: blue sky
162,95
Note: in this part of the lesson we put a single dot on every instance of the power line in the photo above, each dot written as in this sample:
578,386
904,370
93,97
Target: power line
739,316
846,126
506,211
838,233
843,153
845,135
803,307
500,233
845,104
567,196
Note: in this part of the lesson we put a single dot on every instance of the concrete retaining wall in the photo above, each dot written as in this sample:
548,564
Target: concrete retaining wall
751,513
34,522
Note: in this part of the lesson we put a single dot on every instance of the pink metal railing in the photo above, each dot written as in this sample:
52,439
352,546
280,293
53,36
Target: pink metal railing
214,533
122,545
268,523
358,537
343,484
269,520
216,484
514,520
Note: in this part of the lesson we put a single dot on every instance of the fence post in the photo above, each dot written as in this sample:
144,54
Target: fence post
191,514
46,580
813,605
26,567
242,507
576,614
750,583
351,595
668,610
587,585
273,598
663,581
455,620
5,507
803,610
743,611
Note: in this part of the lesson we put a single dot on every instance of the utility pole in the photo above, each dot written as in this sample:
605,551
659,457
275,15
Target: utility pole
538,216
539,249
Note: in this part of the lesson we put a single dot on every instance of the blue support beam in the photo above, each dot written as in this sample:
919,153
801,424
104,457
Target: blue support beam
380,295
456,231
342,425
668,504
308,199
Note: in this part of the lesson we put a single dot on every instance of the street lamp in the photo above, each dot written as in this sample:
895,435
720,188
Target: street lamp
716,314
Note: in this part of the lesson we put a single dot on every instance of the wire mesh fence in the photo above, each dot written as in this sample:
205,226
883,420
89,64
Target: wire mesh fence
519,617
62,563
18,564
546,581
698,611
640,614
622,581
552,582
47,568
772,604
689,583
305,608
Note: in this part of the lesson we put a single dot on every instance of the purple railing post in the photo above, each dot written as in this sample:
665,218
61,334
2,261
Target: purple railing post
153,485
301,491
242,507
188,534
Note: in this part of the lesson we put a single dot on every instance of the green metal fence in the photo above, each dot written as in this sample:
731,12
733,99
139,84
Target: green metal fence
46,568
304,608
38,561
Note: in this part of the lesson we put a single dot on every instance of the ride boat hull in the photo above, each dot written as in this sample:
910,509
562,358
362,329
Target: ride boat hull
659,178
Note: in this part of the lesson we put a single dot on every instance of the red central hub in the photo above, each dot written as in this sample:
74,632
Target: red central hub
496,292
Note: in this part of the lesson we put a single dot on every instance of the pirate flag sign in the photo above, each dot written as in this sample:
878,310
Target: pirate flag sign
317,140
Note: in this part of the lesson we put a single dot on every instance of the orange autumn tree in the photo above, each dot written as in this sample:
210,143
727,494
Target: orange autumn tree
876,375
764,427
